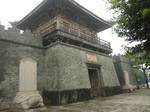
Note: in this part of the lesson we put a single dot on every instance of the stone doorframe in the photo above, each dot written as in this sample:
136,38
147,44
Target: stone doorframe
100,76
28,95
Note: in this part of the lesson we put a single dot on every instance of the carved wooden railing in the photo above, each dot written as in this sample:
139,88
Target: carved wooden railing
85,35
98,41
73,28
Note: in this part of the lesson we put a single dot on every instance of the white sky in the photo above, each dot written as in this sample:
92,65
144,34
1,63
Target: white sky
14,10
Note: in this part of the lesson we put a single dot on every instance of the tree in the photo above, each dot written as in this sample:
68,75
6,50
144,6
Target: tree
140,76
132,21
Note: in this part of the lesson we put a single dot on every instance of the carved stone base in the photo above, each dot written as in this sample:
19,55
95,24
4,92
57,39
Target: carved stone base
29,100
129,88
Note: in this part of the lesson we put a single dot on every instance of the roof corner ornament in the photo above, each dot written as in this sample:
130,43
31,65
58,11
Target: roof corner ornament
14,27
14,24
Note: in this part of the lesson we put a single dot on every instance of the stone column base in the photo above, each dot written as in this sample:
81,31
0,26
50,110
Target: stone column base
129,88
29,99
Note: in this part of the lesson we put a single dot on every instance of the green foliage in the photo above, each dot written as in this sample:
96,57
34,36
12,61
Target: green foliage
146,12
132,21
137,55
140,76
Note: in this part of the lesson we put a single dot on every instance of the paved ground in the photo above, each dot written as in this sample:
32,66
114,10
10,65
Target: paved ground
138,101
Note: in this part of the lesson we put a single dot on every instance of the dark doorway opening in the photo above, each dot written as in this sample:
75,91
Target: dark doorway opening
95,82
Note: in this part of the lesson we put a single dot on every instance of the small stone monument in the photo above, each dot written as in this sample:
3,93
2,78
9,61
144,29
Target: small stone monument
127,85
28,97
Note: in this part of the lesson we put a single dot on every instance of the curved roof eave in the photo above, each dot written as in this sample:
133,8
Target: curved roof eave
32,12
44,2
90,13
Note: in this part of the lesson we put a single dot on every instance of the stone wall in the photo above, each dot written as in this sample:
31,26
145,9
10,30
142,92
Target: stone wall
67,74
62,71
25,38
73,73
124,64
66,68
14,47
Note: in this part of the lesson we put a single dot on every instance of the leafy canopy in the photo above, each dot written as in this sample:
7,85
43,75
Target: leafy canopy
138,58
132,18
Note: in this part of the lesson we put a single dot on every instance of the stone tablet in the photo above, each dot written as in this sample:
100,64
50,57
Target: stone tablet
28,96
28,75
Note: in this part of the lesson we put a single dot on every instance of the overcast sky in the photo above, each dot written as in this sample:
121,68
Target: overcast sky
14,10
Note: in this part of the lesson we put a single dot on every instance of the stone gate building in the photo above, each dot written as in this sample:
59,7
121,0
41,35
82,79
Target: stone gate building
58,59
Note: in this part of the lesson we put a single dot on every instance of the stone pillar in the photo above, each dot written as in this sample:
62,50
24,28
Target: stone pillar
28,96
126,77
127,85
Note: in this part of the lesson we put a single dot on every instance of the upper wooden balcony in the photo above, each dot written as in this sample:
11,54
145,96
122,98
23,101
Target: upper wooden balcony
73,31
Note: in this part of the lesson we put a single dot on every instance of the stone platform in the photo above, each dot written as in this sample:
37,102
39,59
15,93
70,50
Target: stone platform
139,101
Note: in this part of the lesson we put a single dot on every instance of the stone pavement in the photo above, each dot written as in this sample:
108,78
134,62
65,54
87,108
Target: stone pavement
139,101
